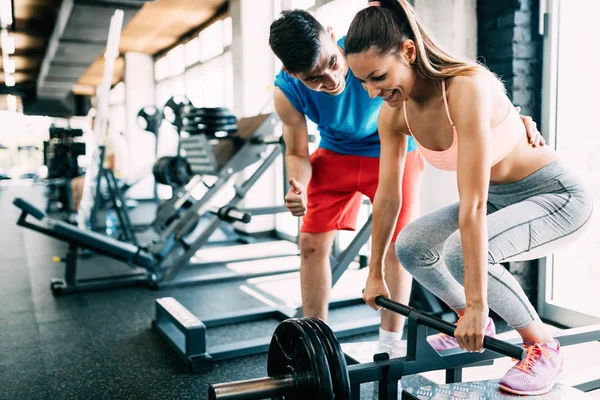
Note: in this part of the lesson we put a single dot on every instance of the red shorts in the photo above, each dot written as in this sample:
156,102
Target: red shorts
338,183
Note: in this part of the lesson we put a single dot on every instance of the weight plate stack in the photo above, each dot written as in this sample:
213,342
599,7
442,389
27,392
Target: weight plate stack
296,349
335,357
215,122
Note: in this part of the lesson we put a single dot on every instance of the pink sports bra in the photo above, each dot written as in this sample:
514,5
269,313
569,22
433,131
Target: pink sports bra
504,138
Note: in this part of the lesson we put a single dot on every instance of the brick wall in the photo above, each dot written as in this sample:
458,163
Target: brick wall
509,44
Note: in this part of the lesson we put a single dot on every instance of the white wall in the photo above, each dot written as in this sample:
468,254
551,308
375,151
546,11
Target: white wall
252,57
253,75
454,24
139,92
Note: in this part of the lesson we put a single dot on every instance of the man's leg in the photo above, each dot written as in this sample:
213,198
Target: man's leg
315,273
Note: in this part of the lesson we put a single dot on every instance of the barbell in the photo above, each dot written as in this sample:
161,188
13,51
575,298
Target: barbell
306,361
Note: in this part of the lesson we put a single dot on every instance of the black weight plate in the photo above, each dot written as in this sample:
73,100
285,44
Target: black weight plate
335,356
210,131
180,171
160,170
210,127
298,350
210,120
208,112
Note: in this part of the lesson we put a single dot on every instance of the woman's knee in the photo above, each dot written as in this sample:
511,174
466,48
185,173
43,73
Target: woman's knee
413,249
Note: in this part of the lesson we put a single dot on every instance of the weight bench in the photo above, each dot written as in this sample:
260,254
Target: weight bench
151,270
77,238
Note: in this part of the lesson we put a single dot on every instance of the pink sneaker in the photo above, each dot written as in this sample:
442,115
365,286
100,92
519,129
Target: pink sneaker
537,373
442,341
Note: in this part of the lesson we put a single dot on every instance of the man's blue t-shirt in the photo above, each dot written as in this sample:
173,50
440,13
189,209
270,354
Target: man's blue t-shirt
347,122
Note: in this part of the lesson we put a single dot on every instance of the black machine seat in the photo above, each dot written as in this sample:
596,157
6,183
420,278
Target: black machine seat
95,241
29,208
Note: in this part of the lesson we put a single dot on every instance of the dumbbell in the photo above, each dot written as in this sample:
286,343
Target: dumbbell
305,360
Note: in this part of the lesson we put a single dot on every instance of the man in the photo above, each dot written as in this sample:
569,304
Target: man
326,188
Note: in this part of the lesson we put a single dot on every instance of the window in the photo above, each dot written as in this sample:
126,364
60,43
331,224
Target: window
339,14
211,41
571,126
162,93
176,59
161,69
200,69
192,52
193,85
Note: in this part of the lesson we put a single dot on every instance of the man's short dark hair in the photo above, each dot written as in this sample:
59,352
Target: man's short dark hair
295,39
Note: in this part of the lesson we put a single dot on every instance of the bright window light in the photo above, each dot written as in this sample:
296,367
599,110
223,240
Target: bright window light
211,41
176,58
9,80
161,69
6,17
227,32
192,51
7,42
8,65
11,102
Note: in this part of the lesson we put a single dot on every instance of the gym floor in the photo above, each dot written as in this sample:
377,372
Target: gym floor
100,344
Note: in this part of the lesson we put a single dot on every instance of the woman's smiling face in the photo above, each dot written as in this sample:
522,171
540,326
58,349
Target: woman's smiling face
389,76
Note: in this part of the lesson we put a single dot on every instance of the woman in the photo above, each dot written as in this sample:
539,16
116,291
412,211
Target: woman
517,201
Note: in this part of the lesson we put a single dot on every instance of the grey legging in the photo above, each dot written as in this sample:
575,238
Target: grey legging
527,219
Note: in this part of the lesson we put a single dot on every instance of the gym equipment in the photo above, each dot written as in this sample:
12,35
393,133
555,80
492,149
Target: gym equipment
7,162
292,369
484,390
173,110
116,202
100,125
61,153
173,321
198,357
172,171
161,261
136,256
149,118
213,122
31,163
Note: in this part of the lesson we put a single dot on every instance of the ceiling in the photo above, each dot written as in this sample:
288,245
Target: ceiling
33,21
59,44
156,27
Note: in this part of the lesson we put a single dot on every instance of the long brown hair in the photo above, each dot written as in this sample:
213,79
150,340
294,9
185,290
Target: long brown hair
384,28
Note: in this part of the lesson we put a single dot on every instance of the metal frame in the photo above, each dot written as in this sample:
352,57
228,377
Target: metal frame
168,264
118,203
194,352
420,357
549,27
186,334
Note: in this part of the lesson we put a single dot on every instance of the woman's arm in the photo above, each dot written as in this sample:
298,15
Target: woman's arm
470,103
388,198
